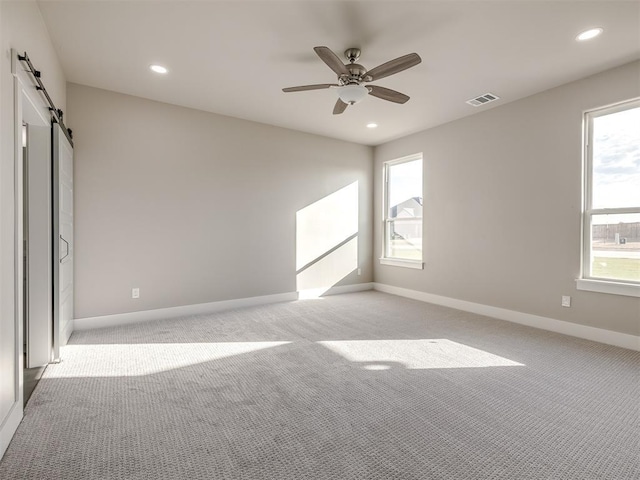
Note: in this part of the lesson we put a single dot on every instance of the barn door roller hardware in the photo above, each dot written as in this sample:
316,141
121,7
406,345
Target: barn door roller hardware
56,113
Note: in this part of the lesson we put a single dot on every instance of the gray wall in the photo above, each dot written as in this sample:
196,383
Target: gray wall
502,205
193,207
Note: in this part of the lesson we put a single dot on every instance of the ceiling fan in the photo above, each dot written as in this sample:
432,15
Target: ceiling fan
352,75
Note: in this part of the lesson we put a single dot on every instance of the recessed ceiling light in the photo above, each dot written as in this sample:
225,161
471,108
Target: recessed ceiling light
372,125
589,34
158,69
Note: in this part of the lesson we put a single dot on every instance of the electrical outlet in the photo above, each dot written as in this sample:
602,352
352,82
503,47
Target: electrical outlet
135,293
566,301
359,271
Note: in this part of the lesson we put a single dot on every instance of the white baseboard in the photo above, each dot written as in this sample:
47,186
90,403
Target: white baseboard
559,326
356,287
326,291
609,337
89,323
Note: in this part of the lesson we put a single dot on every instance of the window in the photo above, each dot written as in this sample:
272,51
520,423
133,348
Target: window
611,221
403,212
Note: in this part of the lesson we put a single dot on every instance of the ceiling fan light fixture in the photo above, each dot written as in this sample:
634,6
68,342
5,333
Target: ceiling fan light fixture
351,94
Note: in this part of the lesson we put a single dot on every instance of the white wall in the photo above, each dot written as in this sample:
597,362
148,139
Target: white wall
22,28
502,206
193,207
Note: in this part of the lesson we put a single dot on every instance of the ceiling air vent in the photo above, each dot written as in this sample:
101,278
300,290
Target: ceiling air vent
483,99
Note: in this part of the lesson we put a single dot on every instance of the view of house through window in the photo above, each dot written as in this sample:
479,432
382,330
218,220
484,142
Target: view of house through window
403,208
612,210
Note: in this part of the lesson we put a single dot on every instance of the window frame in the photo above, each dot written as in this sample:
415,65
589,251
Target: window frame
385,259
586,281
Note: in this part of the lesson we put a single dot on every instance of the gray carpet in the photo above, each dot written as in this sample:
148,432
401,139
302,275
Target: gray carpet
357,386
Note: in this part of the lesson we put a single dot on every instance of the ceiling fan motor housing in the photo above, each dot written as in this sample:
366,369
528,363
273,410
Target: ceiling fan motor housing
356,74
356,71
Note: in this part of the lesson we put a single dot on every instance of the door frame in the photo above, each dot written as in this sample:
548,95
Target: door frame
28,107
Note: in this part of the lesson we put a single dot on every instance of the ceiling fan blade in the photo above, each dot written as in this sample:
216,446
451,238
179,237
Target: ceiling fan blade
332,60
387,94
303,88
340,107
394,66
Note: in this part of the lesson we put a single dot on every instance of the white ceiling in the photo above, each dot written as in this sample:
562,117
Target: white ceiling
234,57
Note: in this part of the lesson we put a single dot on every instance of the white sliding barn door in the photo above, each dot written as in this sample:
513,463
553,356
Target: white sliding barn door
39,334
62,240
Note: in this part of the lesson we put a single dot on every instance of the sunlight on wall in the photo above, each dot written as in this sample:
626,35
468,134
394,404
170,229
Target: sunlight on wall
319,277
327,241
134,360
415,354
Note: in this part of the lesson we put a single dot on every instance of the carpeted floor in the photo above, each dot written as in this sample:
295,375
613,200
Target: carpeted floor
356,386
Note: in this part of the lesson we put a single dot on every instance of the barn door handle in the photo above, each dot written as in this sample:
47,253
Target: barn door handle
67,249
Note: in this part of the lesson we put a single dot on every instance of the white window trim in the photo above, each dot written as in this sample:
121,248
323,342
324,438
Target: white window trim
586,281
608,286
401,262
384,259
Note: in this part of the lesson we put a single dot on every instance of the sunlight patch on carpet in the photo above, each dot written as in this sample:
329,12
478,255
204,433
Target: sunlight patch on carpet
415,354
144,359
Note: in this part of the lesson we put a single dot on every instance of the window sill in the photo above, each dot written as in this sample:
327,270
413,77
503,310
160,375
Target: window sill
397,262
604,286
